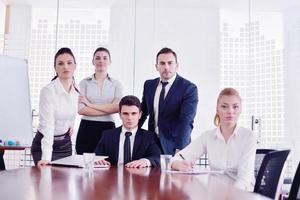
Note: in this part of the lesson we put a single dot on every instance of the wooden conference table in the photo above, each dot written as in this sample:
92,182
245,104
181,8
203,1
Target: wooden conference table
55,183
2,150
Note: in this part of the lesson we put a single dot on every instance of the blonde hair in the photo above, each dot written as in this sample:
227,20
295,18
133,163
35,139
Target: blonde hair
217,120
226,92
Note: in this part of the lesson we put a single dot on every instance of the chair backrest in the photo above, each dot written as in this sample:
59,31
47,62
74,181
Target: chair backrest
203,161
295,192
260,154
269,173
2,165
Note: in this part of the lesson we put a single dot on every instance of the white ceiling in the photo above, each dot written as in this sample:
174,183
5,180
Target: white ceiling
274,5
63,3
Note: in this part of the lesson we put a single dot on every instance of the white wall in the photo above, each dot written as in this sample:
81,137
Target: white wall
121,37
18,32
140,28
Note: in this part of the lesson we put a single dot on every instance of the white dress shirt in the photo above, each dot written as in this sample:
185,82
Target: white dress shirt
57,112
121,145
236,157
156,98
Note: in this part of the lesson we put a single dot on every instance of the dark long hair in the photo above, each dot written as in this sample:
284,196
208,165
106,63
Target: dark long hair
102,49
65,50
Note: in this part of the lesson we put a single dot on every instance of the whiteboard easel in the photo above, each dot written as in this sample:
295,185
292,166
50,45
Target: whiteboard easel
15,106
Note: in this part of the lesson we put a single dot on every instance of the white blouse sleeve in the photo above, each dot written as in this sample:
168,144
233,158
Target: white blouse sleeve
83,86
194,150
245,171
47,122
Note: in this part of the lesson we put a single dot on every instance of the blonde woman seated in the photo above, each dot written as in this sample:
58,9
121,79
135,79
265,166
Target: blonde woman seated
229,147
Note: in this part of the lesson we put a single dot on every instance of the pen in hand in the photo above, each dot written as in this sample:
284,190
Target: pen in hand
188,164
181,156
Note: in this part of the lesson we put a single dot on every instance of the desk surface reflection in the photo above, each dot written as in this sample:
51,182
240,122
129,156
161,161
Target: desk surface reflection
114,183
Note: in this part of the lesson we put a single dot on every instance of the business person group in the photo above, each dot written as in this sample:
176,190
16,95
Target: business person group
169,101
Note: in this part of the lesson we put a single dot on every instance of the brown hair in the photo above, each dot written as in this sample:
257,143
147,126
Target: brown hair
166,50
130,100
102,49
226,92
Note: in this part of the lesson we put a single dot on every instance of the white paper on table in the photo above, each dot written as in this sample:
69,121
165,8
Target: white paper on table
101,167
195,171
77,161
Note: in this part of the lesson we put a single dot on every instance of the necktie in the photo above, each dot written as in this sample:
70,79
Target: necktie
127,149
162,96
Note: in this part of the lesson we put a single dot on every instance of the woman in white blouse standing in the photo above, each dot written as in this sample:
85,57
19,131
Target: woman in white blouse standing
99,100
57,111
229,147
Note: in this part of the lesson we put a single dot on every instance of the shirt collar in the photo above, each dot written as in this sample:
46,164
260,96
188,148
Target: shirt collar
92,77
219,135
235,132
171,80
60,88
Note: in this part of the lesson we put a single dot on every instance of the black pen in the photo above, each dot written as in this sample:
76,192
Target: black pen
181,156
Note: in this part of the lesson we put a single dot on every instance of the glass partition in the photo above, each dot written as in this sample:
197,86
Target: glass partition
249,44
275,54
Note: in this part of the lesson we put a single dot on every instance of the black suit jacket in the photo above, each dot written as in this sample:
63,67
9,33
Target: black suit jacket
144,146
176,119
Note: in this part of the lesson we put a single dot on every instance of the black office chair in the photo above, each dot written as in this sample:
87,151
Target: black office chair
203,161
295,192
2,165
260,154
269,173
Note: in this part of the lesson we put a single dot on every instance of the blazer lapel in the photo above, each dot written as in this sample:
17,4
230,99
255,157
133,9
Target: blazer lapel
137,142
115,141
152,92
171,91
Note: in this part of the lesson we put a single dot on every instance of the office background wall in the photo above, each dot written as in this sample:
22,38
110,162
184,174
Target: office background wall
251,45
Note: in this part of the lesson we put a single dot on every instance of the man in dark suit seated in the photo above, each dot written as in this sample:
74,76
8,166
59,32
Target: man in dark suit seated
117,143
170,101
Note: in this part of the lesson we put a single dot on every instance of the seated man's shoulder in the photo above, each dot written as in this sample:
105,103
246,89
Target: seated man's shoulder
108,132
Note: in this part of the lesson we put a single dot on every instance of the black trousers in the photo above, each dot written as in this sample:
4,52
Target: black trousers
62,147
89,134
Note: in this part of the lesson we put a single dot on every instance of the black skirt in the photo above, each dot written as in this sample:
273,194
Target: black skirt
62,147
89,134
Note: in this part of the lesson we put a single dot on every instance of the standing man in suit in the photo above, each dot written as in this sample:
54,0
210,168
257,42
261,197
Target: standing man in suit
128,144
171,103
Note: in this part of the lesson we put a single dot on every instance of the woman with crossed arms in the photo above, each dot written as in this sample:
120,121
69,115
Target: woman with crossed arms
229,147
99,100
